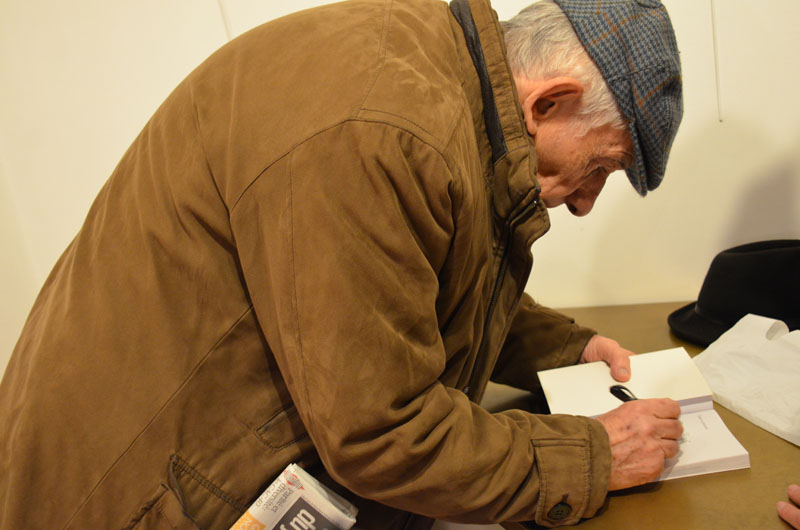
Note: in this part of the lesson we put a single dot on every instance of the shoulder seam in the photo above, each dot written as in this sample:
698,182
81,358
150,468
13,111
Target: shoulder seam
437,148
387,17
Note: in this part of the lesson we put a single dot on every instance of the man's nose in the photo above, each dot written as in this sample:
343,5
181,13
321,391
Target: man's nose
581,201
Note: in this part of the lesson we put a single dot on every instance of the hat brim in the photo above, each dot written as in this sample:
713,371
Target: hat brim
691,326
637,174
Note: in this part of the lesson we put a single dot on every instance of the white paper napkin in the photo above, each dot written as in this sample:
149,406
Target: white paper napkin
753,370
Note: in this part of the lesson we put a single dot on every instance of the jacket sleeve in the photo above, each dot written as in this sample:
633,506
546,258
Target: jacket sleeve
538,339
340,242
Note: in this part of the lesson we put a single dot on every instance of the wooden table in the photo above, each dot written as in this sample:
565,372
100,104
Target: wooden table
741,499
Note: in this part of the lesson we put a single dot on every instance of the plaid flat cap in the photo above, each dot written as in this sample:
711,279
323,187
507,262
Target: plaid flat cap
633,44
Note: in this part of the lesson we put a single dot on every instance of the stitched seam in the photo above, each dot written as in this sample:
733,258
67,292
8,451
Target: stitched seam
272,419
295,310
446,139
587,466
458,193
543,481
553,442
183,468
404,118
387,18
284,446
196,120
290,151
382,59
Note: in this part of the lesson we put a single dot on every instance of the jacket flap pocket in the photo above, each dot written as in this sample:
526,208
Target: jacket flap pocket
164,512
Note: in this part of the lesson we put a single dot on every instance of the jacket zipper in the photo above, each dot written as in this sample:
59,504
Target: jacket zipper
505,258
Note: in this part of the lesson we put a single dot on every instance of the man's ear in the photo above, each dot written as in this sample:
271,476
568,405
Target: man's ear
541,100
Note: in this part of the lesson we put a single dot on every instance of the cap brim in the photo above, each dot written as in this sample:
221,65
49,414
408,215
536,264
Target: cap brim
690,326
636,172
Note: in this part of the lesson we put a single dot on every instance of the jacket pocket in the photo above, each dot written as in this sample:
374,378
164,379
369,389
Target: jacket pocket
283,429
162,512
207,503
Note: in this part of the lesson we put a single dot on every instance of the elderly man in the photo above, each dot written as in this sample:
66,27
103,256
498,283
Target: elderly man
316,252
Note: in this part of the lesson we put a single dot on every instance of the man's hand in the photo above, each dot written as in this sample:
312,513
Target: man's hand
615,356
789,512
642,434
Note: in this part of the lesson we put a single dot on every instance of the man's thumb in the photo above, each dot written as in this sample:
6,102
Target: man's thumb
620,372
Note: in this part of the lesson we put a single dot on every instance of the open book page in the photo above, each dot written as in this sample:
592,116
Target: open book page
707,445
583,389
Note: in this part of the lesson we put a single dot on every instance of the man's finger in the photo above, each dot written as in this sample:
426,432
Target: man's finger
665,408
670,429
618,359
621,368
794,494
670,448
789,513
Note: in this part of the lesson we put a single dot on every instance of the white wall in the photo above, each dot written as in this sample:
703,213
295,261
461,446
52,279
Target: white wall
80,79
18,285
728,182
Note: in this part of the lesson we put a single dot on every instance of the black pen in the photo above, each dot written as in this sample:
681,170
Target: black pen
622,393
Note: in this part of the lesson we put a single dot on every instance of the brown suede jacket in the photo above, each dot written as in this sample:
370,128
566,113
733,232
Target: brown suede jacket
313,253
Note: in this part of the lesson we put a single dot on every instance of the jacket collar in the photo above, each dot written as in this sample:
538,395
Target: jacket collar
513,158
491,116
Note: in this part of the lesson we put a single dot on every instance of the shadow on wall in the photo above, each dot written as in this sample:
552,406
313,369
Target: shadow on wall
770,204
747,182
737,183
727,184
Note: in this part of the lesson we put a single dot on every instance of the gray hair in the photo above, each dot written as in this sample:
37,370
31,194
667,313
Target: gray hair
541,44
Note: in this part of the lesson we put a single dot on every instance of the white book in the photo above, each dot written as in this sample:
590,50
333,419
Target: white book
707,446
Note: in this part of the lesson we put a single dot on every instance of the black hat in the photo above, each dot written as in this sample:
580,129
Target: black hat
762,278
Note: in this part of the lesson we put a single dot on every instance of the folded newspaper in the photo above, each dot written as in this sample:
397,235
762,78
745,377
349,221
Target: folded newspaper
297,501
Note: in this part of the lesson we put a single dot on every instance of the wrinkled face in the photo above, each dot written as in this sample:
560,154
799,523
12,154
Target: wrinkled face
573,170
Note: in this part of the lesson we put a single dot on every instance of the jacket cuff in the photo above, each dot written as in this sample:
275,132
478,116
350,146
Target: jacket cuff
574,348
561,502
